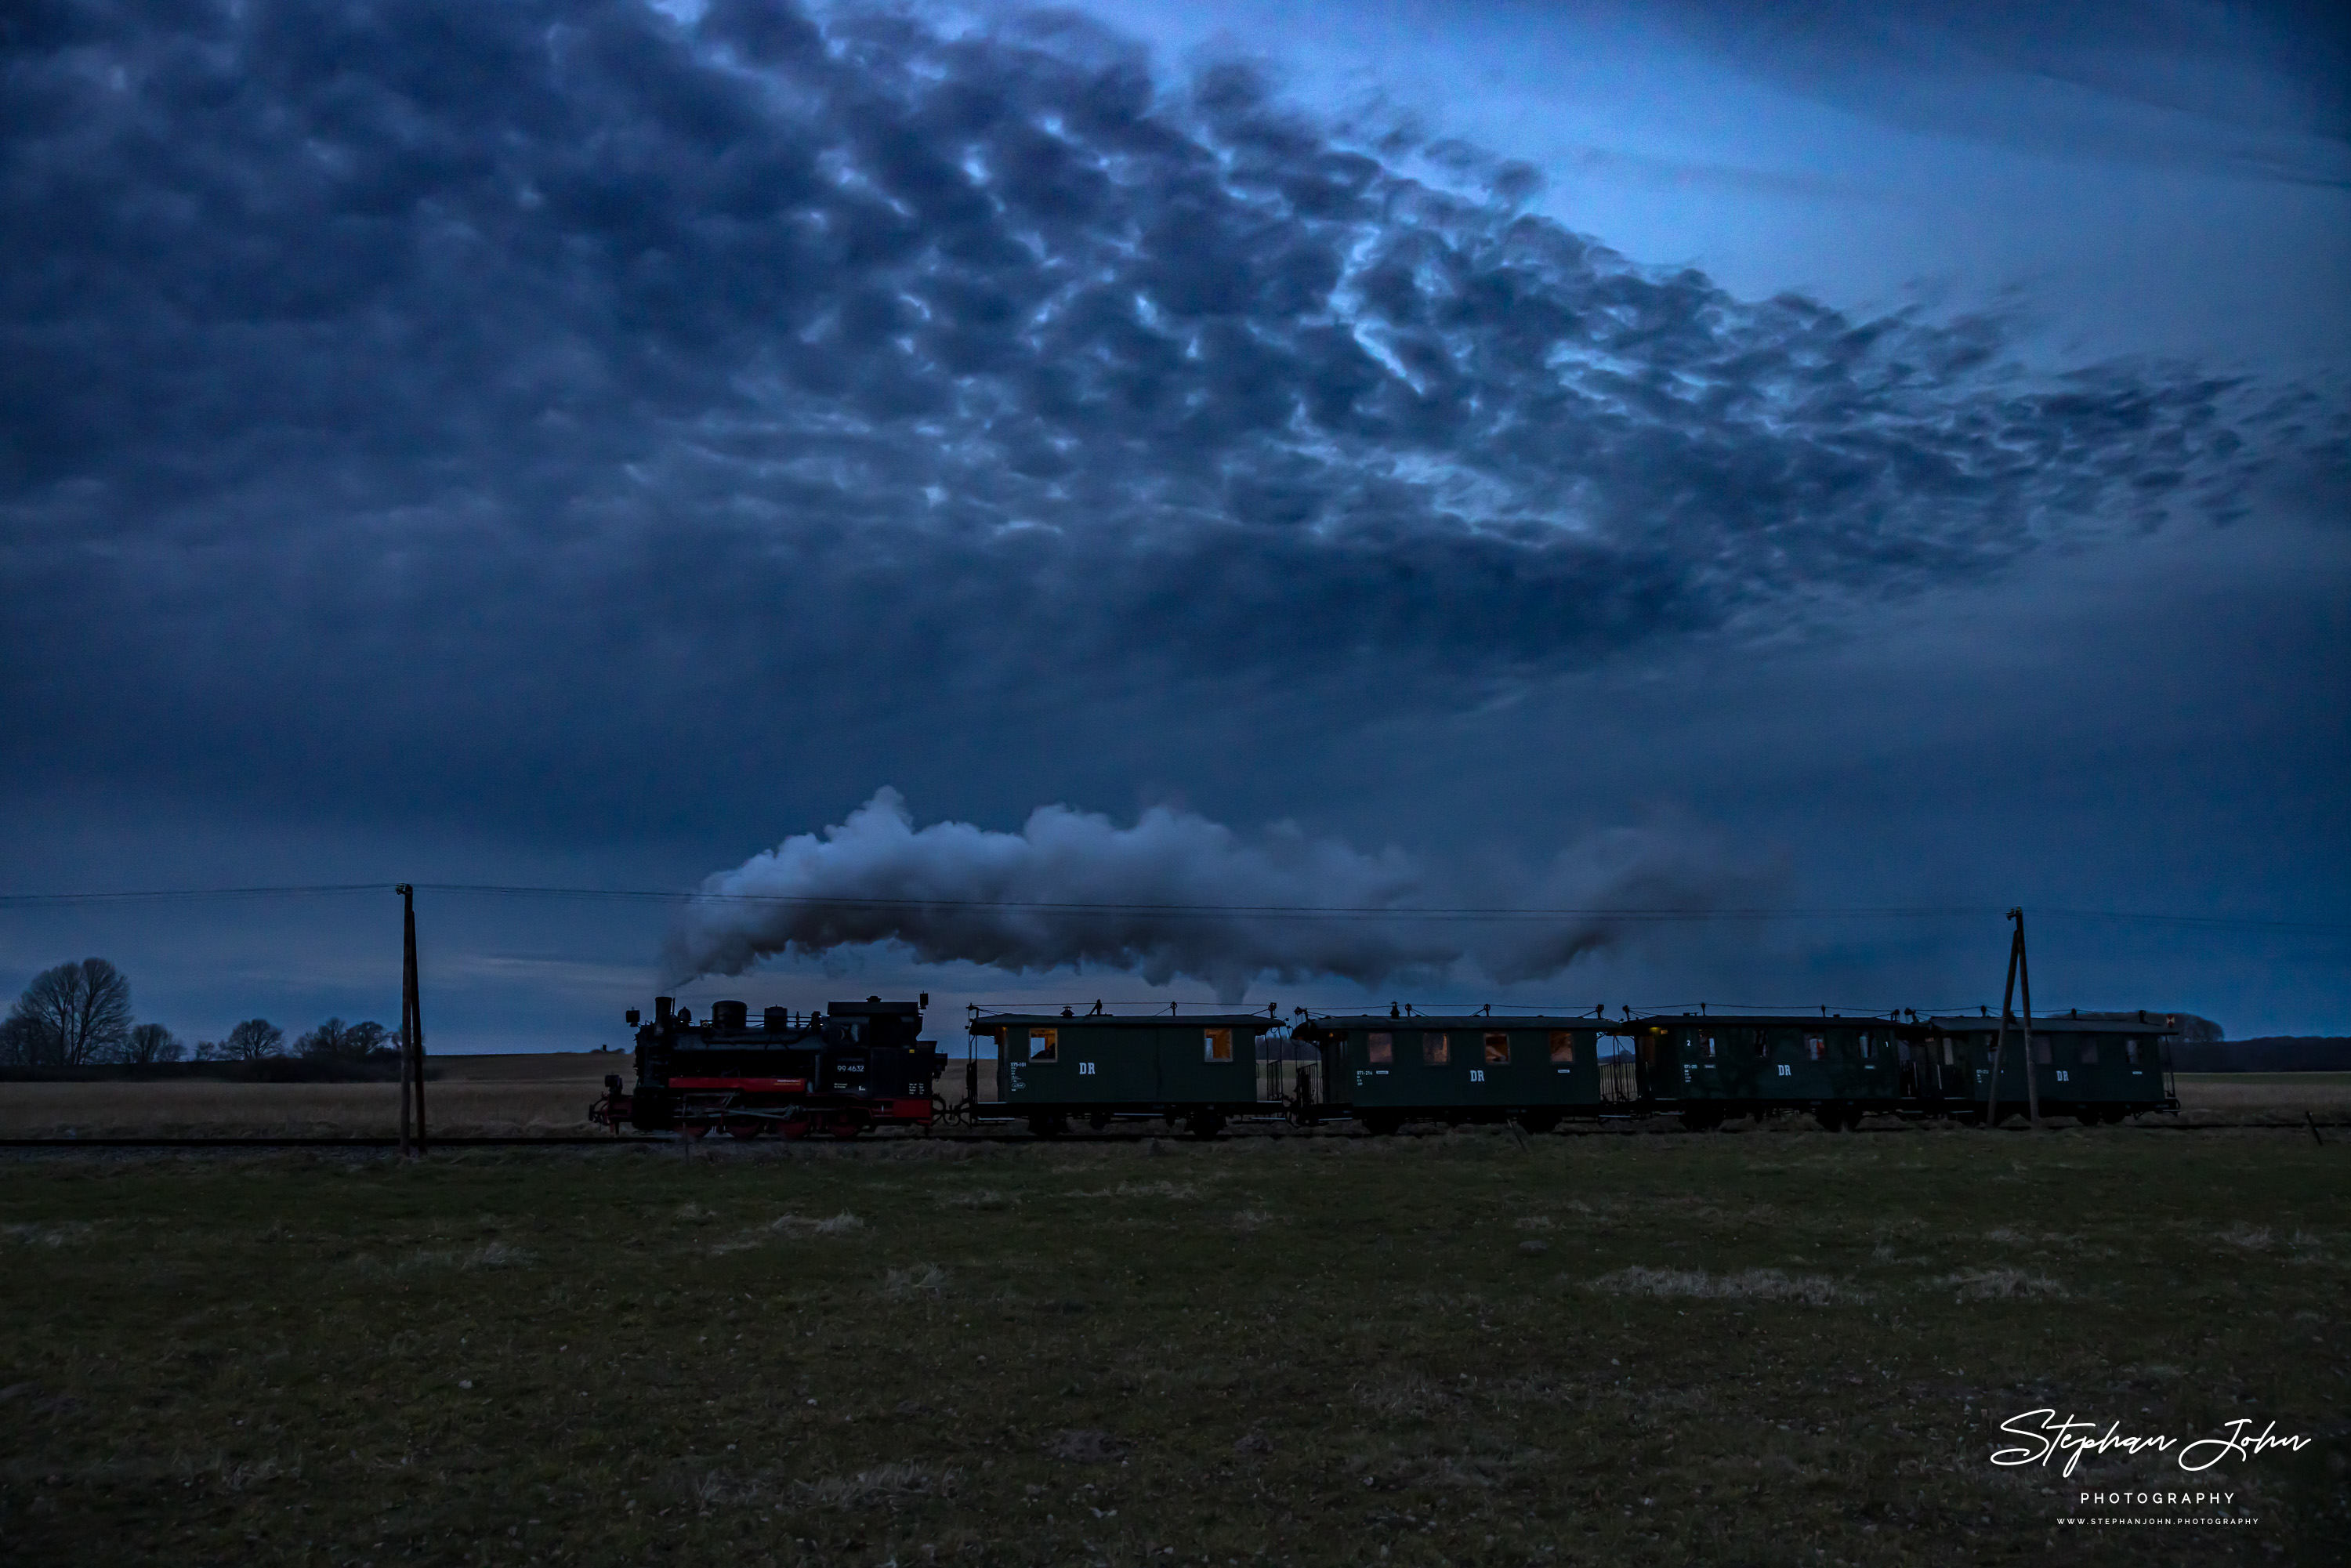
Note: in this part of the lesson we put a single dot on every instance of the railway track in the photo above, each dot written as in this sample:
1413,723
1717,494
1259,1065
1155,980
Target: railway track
1011,1132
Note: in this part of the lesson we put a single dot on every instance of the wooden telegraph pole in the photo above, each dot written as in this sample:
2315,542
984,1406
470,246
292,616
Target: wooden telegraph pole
412,1030
2020,977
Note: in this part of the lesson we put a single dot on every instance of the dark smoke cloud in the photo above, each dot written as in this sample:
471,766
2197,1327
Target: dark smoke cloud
439,405
1175,894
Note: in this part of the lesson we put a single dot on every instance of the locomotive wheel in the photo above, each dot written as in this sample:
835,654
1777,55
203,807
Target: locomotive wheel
745,1127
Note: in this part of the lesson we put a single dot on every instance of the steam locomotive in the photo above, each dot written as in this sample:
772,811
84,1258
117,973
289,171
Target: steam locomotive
855,1067
860,1065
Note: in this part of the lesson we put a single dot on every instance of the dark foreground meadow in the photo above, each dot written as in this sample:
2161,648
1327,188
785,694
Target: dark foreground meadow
1468,1348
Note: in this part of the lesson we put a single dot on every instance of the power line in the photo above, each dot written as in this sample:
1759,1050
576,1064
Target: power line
39,900
1180,911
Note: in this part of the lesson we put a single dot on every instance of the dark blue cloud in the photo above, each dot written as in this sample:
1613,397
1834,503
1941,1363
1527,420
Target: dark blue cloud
506,389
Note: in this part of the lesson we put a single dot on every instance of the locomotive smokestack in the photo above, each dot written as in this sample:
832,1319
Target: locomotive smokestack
1173,894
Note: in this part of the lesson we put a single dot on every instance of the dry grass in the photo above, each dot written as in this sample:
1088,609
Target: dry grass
305,1110
1999,1285
1747,1285
2324,1095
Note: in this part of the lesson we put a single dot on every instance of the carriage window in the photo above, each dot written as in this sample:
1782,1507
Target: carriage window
1044,1044
1498,1049
1436,1051
1563,1045
1816,1046
1217,1045
1763,1045
1864,1048
1947,1060
2132,1052
2042,1052
1379,1049
2088,1055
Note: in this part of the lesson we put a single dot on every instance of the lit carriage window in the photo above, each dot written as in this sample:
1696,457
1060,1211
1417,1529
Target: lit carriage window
1816,1046
1562,1046
1436,1051
1379,1048
1044,1044
2041,1050
1710,1048
2088,1055
1864,1048
1217,1045
1947,1058
1498,1049
2131,1052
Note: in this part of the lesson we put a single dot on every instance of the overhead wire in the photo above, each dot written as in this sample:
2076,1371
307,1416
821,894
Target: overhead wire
1180,911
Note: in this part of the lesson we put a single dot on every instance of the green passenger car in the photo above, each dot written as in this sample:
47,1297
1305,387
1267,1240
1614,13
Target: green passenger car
1387,1070
2096,1068
1839,1068
1051,1067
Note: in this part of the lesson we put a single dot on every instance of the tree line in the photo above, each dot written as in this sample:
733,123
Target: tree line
79,1015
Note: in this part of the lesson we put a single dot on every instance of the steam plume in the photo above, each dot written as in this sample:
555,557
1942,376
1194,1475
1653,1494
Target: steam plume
1175,894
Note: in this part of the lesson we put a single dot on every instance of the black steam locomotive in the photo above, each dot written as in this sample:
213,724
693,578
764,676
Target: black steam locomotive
839,1073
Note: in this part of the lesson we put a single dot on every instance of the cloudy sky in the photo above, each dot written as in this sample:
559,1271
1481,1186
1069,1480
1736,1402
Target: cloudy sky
1878,465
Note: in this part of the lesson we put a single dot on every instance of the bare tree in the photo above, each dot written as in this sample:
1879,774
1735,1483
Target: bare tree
73,1014
335,1041
20,1041
330,1042
150,1043
370,1041
253,1039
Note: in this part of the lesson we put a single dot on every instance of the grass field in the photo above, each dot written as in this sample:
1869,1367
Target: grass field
1791,1347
